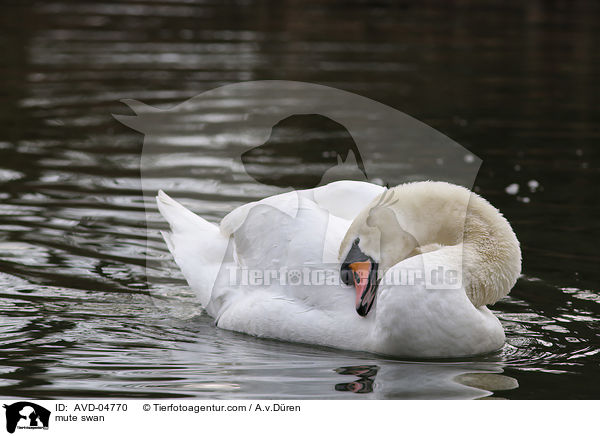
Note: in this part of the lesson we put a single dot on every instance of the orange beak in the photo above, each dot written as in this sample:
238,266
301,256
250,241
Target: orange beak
360,273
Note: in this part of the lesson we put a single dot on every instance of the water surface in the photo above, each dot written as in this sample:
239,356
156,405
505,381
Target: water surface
514,83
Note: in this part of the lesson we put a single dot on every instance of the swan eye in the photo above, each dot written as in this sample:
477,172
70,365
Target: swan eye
356,241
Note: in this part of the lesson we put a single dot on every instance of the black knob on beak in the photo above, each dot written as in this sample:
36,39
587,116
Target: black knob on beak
346,274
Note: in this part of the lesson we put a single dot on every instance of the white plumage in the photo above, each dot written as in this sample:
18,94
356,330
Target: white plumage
309,230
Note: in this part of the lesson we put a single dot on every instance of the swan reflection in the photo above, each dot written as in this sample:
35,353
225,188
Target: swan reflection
412,380
366,376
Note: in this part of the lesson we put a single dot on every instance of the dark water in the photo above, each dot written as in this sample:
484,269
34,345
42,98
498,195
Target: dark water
515,83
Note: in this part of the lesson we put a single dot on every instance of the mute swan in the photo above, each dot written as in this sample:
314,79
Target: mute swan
424,259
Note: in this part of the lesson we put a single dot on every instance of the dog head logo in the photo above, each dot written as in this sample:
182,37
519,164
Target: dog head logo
25,414
324,148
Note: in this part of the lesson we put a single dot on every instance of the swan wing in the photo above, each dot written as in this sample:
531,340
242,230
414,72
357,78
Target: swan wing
345,199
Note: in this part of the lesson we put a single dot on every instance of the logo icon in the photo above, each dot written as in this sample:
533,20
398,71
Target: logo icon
289,137
26,415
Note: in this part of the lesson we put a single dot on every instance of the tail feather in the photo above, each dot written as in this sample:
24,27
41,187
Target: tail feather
179,218
167,237
196,245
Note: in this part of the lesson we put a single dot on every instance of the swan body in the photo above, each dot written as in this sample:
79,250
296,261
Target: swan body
238,269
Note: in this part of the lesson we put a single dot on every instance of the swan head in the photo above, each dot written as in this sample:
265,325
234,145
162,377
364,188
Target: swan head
442,216
375,242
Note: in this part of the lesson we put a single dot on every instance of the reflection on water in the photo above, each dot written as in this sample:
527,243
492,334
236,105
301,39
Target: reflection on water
515,85
426,380
365,375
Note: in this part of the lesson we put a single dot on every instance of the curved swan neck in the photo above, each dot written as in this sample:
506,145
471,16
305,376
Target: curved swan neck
432,212
415,218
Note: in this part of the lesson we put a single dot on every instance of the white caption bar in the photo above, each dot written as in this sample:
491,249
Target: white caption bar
265,417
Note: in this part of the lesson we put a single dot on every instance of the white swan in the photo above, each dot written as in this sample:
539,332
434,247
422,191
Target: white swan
404,250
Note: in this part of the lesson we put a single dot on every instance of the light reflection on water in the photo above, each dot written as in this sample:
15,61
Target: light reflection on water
76,316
